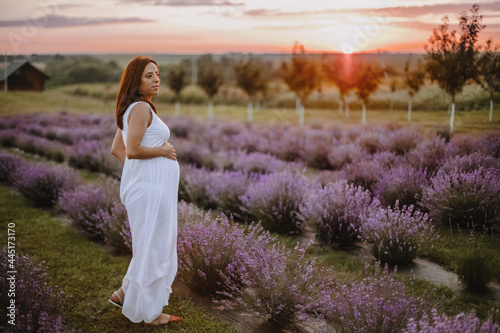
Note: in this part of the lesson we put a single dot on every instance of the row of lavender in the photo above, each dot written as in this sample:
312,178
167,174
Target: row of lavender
250,267
456,182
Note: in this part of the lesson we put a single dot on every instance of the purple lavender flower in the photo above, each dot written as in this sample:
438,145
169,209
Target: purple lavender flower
378,303
461,323
8,164
465,199
212,252
275,200
225,190
43,183
39,307
258,163
336,211
403,184
428,154
397,234
279,283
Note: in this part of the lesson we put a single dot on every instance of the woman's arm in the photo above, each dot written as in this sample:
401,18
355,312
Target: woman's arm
139,119
117,147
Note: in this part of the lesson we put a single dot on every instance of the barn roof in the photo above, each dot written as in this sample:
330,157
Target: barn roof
15,65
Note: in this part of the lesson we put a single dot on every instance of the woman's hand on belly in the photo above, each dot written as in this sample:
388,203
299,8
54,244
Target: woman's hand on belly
169,151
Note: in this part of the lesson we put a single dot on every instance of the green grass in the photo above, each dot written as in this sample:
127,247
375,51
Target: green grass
321,110
452,243
87,273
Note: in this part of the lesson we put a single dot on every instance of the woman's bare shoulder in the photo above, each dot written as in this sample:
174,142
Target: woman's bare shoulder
141,110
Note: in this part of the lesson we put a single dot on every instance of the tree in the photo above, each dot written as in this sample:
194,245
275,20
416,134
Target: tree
251,78
210,79
301,76
340,72
488,66
393,86
176,80
366,80
413,80
450,61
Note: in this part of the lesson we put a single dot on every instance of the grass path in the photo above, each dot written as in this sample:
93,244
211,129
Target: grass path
86,272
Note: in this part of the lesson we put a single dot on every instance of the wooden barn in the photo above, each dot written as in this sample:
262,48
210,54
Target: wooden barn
22,75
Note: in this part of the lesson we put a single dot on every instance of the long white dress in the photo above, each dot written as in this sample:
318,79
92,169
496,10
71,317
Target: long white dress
149,190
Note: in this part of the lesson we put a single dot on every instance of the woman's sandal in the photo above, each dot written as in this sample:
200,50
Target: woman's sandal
171,319
120,299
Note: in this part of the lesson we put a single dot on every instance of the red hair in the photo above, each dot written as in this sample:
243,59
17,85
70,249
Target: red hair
130,87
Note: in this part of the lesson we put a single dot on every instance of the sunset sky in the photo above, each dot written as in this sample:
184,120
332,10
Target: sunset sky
219,26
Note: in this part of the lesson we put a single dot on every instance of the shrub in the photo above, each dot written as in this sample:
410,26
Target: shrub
451,324
8,164
281,284
402,141
188,213
378,303
40,146
336,211
196,184
428,154
474,266
8,137
370,142
192,153
365,173
317,147
258,163
343,154
97,212
469,163
39,307
94,156
226,189
275,200
490,144
397,234
43,183
465,199
401,184
211,249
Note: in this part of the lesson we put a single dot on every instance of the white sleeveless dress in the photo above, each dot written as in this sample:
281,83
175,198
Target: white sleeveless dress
149,190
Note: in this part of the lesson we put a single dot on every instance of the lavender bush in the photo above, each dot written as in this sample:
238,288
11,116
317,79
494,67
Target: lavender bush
428,155
94,156
8,164
403,141
278,283
226,189
258,163
465,199
365,173
461,323
43,183
336,211
397,234
39,307
401,184
469,163
275,200
211,249
197,182
378,303
343,154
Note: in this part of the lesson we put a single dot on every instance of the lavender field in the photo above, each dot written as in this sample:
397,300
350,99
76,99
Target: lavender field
259,203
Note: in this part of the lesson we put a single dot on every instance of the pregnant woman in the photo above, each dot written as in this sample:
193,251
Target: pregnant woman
148,189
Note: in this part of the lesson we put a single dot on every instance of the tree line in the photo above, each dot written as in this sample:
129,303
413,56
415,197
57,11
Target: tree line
452,60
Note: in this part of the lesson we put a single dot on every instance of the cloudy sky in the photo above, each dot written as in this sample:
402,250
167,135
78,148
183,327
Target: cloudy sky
218,26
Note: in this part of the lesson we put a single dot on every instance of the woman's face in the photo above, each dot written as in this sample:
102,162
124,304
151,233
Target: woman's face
150,80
